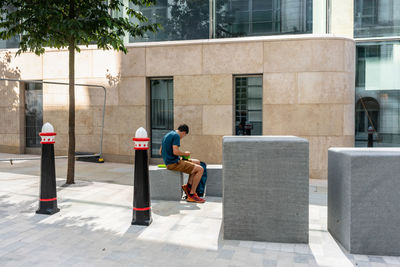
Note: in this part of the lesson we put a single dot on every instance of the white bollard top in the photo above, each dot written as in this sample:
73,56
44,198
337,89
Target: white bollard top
141,140
47,134
47,128
141,133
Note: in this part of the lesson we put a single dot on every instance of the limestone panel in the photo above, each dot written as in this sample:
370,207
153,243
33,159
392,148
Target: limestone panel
84,121
237,58
133,63
304,55
303,120
349,56
58,95
319,146
9,94
279,88
61,141
348,119
8,69
112,95
173,60
55,64
9,121
10,149
132,91
207,148
86,143
325,87
111,144
106,62
56,99
124,119
94,96
126,144
58,117
217,120
190,115
203,90
10,139
25,63
97,116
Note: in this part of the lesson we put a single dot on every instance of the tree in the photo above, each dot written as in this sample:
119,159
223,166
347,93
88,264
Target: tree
70,23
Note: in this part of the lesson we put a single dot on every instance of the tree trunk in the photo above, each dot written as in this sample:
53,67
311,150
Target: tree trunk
71,117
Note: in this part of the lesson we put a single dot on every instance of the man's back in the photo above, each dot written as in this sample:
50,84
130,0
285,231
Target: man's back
170,139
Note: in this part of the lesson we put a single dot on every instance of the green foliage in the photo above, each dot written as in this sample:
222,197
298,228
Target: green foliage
57,23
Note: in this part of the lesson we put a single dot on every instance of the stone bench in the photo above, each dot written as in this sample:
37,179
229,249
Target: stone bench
166,184
265,188
214,180
363,199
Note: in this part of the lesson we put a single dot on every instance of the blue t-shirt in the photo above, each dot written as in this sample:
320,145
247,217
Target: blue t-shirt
170,139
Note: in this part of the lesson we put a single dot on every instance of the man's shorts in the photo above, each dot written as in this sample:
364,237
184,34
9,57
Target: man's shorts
182,166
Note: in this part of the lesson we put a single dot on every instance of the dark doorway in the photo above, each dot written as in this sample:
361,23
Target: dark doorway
33,114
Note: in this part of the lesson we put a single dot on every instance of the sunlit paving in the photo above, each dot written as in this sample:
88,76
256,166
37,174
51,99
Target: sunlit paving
93,227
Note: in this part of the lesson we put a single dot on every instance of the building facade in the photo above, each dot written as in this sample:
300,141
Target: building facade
224,67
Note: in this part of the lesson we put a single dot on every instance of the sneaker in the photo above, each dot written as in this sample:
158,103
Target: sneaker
195,198
186,189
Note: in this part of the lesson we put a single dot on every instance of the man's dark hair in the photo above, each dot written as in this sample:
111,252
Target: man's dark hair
183,128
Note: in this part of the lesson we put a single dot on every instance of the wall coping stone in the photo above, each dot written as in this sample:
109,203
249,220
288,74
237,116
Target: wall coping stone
236,40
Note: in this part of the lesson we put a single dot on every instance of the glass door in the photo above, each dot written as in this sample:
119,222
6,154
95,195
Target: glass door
162,112
33,114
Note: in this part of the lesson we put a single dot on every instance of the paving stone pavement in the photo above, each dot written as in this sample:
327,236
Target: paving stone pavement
93,227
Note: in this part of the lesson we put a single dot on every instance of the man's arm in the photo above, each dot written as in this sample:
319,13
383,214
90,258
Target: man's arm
161,150
177,152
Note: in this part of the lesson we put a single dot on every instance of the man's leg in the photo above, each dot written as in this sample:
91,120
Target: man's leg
196,177
190,180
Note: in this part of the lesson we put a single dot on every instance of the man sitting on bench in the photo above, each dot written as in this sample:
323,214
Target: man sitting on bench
170,152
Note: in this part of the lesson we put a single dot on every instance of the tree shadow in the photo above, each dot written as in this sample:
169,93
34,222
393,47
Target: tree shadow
11,107
168,208
9,93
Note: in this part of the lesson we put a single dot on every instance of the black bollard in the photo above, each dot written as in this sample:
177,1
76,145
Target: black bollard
370,136
48,193
141,194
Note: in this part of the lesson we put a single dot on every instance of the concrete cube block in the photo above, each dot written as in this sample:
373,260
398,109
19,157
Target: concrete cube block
214,180
363,199
265,188
165,184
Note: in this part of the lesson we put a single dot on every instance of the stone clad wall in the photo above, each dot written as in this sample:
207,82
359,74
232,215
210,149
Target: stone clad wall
11,107
308,87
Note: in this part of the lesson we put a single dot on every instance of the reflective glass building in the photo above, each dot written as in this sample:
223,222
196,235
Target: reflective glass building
377,96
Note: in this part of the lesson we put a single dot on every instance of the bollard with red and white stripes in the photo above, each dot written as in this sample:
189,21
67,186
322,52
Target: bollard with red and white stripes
141,194
48,193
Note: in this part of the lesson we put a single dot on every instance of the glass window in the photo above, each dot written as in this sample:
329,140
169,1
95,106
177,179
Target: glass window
262,17
13,42
248,105
376,18
10,43
378,93
162,112
180,20
33,113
